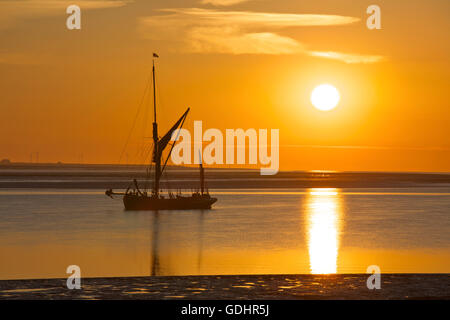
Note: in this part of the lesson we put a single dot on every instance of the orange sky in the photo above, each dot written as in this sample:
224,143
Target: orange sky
73,95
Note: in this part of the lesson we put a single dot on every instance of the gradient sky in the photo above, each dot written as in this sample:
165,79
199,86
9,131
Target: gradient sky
72,95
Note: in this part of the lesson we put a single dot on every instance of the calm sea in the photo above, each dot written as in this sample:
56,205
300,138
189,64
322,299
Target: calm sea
256,231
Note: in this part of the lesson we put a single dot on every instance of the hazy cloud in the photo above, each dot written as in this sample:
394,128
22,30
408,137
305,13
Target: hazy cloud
255,19
347,58
234,32
13,11
405,148
230,40
222,2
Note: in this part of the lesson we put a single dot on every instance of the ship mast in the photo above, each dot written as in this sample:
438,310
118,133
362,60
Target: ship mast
161,144
156,153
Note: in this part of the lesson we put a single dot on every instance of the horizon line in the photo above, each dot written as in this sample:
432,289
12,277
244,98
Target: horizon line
216,167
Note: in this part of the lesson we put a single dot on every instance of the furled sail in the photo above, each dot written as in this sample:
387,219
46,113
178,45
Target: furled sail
164,141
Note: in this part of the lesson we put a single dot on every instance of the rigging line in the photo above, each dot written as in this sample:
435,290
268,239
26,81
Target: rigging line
143,160
166,176
142,154
161,105
148,170
147,153
134,121
141,149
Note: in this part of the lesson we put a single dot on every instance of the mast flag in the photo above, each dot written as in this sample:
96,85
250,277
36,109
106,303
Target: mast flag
155,55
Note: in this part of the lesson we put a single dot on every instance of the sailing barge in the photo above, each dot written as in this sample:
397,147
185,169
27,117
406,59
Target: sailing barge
136,199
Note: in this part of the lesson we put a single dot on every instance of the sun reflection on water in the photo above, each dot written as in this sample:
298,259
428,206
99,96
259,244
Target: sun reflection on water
323,214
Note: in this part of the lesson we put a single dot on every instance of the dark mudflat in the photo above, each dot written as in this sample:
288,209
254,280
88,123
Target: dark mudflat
351,286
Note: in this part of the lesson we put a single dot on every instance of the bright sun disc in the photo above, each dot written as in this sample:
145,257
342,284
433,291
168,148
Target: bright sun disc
325,97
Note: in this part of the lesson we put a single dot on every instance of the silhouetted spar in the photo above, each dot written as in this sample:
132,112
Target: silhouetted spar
136,199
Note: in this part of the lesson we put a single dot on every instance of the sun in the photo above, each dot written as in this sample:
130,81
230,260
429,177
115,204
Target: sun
325,97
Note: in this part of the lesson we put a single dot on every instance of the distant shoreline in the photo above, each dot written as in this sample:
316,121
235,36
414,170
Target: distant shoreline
119,177
140,167
287,287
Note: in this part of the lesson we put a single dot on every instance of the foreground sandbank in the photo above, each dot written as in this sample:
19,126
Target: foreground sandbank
343,286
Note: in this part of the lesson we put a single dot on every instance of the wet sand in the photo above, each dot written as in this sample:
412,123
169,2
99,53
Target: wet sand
350,286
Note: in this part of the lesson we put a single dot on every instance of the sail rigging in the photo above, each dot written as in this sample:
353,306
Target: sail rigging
138,199
164,141
160,144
